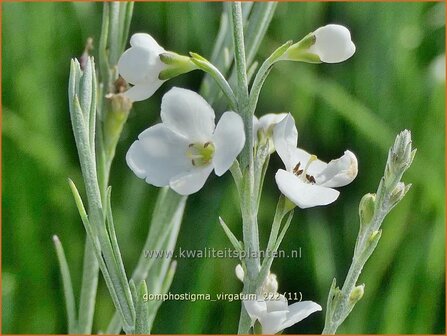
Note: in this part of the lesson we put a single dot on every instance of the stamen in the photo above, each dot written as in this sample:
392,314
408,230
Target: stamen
200,154
297,171
305,177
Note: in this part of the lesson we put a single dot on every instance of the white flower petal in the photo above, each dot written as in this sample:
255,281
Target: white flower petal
239,272
158,155
255,309
285,138
272,322
139,65
144,40
187,113
333,44
144,91
299,311
269,120
192,181
228,139
339,172
301,156
304,195
277,304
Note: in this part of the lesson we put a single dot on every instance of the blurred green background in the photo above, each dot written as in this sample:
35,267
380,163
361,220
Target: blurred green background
395,80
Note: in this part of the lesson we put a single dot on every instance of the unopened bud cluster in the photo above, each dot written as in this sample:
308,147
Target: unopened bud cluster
400,158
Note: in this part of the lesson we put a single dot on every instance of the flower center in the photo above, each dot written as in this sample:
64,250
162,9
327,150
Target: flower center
200,154
303,172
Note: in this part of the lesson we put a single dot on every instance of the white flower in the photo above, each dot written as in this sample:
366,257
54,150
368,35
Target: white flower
332,44
307,181
266,122
140,66
183,150
270,284
263,127
276,315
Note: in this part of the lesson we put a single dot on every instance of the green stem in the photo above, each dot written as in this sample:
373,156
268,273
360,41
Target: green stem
389,193
209,68
262,74
242,83
248,200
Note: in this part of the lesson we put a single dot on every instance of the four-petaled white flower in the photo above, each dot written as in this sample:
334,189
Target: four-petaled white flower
140,66
183,150
307,181
332,44
275,314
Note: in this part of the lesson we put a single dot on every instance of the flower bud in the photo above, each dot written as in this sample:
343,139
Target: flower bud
375,236
366,208
401,154
399,192
270,284
356,294
240,274
114,120
329,44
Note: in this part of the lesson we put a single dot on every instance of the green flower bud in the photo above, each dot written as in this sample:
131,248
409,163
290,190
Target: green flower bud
366,208
114,120
399,192
400,157
356,294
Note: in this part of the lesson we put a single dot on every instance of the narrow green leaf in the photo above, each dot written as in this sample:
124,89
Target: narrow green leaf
126,26
141,320
167,281
114,42
103,58
90,272
116,250
258,22
86,90
230,235
92,112
68,287
133,290
73,82
96,247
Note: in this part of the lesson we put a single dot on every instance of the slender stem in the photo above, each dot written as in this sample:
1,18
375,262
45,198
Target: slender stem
373,210
209,68
262,74
248,200
242,82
